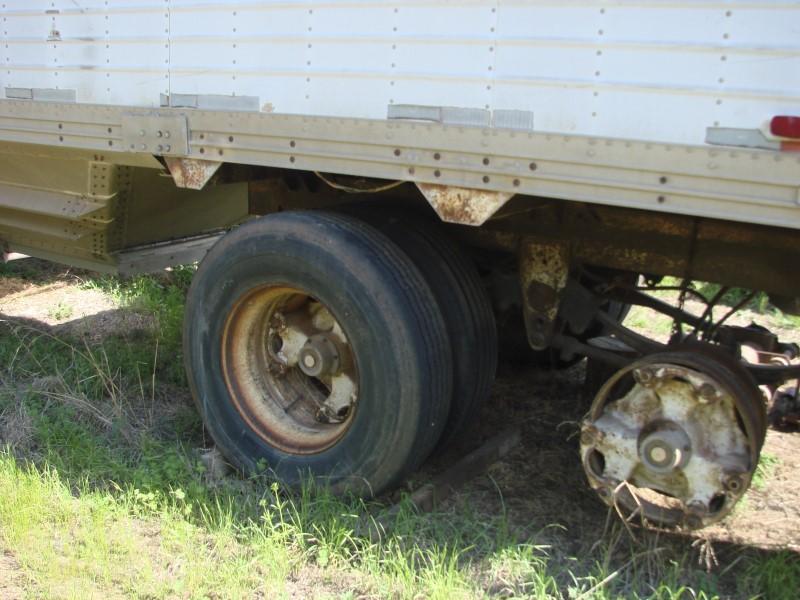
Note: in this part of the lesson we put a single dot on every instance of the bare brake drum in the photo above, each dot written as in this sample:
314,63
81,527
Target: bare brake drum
674,438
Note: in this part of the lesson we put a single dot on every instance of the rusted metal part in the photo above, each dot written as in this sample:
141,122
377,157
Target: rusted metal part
543,273
674,438
191,173
784,412
725,252
289,369
763,348
463,206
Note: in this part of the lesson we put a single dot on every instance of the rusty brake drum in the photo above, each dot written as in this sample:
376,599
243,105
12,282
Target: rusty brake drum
674,438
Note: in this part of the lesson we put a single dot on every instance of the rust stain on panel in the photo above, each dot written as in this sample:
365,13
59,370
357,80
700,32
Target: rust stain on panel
464,206
191,173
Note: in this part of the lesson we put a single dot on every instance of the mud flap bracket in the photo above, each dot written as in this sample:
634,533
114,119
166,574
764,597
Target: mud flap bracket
463,206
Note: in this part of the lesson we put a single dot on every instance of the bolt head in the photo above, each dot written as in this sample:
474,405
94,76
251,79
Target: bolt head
708,392
733,482
537,339
643,376
587,437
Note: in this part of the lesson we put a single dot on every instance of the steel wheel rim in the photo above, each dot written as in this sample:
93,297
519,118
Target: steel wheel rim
266,351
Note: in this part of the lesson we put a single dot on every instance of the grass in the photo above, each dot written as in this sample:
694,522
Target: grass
61,311
757,302
644,319
775,576
103,493
660,326
162,297
765,469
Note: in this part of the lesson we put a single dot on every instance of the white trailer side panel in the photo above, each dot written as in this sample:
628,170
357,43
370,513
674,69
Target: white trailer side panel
657,71
114,52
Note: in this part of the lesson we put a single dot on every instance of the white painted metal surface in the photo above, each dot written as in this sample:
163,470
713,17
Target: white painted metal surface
660,71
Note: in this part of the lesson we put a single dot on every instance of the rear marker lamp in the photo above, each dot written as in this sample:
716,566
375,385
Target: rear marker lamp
788,127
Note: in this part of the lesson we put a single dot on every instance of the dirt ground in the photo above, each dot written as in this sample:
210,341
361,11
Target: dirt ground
540,484
543,483
10,578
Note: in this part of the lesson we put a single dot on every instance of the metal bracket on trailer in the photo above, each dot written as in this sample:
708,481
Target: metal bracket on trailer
156,133
463,206
192,173
543,272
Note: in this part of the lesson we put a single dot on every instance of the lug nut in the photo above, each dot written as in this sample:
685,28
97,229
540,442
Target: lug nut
708,392
587,437
733,482
643,376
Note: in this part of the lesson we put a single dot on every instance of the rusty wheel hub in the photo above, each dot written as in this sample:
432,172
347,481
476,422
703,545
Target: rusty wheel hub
290,370
674,438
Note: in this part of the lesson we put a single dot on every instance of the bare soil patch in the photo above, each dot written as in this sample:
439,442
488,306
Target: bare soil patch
11,578
57,300
769,517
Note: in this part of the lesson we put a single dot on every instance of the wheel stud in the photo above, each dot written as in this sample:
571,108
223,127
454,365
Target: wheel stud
644,377
733,482
587,437
708,392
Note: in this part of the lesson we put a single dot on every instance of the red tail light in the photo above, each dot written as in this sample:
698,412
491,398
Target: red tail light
788,127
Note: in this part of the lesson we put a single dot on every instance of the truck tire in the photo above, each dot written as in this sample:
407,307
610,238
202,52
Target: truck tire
465,306
282,313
